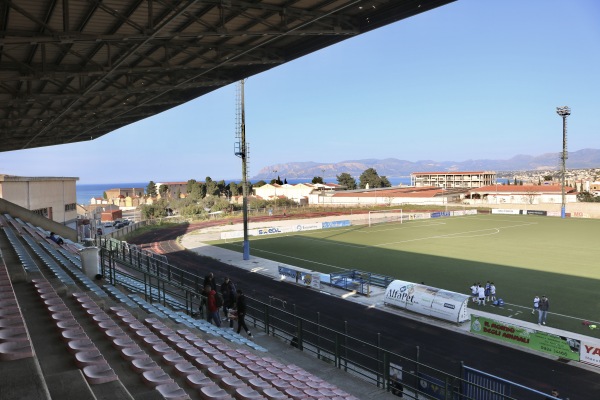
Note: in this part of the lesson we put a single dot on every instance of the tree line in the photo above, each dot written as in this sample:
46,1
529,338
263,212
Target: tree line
212,196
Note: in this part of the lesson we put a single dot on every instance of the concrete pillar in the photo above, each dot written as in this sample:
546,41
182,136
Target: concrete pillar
90,261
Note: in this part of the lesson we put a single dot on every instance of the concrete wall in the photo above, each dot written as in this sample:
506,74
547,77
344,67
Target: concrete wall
36,194
578,210
16,211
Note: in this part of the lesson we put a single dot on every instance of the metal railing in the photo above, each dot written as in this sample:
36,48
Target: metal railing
369,361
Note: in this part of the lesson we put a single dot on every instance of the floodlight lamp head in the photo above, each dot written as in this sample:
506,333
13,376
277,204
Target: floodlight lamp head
563,111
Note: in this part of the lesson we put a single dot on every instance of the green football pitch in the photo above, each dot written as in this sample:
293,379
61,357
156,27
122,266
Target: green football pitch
522,255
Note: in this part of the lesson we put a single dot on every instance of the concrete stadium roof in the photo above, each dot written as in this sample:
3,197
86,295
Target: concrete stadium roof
75,70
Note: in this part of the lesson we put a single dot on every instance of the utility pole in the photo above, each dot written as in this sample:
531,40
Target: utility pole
564,112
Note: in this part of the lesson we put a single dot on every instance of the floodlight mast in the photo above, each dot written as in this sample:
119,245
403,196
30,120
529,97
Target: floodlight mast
564,112
241,150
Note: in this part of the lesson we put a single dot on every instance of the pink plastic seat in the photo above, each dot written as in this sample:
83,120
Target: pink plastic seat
221,358
231,366
14,321
193,353
165,332
255,369
15,350
300,385
156,377
173,358
47,296
10,311
172,391
85,358
131,353
54,301
174,339
274,394
247,393
295,394
217,373
280,384
62,316
137,326
162,348
142,333
231,383
58,308
108,324
14,334
258,384
183,345
204,363
73,334
121,342
267,376
116,333
185,368
213,392
99,373
244,374
198,380
80,345
140,365
152,340
68,324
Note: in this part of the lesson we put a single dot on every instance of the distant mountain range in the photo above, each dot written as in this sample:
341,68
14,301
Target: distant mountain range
394,168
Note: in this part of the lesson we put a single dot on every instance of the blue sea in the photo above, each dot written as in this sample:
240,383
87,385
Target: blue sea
86,192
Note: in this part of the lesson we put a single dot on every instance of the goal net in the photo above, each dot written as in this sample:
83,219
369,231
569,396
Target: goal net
386,216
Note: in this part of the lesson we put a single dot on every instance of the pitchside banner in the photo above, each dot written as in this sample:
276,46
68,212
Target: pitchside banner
590,353
535,340
505,211
274,230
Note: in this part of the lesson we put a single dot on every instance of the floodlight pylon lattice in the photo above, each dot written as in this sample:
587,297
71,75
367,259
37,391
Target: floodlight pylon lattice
563,112
241,150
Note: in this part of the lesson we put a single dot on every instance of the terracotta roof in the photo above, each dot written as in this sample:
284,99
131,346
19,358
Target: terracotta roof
396,192
522,189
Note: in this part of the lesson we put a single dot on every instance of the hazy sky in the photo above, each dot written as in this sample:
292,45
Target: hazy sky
473,79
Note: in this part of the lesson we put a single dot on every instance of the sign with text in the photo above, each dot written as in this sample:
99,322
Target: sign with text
590,353
505,211
535,340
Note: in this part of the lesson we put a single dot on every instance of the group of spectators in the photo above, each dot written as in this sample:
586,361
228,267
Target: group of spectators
226,298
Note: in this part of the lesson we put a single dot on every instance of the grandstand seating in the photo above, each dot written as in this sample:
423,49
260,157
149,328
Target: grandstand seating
173,354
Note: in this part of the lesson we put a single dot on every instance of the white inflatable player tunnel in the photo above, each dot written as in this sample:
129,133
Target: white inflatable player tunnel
427,300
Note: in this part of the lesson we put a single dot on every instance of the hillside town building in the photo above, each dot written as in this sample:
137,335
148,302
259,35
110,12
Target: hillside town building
520,194
462,180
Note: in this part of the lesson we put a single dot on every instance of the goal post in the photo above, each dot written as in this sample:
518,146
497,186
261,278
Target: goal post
386,216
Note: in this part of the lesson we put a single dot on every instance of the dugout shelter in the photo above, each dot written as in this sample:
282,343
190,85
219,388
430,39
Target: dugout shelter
427,300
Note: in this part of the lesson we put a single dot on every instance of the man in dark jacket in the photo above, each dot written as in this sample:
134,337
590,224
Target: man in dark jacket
228,291
543,310
241,312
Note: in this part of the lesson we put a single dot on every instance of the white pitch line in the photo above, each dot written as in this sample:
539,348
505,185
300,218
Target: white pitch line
300,259
449,235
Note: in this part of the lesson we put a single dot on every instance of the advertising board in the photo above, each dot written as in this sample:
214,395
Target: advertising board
505,211
589,353
535,340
